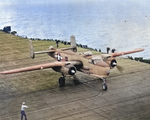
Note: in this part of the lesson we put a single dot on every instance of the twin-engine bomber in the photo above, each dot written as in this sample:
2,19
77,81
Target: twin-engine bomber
69,62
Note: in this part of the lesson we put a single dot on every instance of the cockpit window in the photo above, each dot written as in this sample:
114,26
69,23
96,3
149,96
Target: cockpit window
96,60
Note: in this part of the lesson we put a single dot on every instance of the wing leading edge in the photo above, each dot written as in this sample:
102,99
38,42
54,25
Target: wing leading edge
41,66
35,67
124,53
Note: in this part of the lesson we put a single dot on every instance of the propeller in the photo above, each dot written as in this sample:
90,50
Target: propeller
120,68
114,64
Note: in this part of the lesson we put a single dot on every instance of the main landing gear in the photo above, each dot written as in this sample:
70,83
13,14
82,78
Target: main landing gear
104,85
61,81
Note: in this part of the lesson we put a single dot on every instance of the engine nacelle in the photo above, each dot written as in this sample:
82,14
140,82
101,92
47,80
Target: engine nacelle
112,62
68,70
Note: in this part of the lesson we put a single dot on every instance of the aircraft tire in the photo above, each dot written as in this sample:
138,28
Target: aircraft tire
61,82
74,49
104,86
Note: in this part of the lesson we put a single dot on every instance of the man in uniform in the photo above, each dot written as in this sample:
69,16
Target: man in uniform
23,106
108,50
113,50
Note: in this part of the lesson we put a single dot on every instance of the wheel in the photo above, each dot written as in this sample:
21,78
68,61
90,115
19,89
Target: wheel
104,86
74,49
61,82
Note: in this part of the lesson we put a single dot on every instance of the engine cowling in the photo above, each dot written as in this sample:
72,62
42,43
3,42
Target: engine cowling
113,63
68,70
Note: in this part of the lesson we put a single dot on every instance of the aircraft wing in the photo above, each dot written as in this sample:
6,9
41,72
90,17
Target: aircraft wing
41,66
124,53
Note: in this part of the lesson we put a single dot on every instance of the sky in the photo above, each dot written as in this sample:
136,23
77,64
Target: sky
3,2
117,2
7,2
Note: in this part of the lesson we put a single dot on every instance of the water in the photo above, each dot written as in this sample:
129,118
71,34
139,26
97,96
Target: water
123,25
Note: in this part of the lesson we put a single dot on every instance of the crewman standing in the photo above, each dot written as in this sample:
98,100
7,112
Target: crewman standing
113,50
23,106
108,50
57,43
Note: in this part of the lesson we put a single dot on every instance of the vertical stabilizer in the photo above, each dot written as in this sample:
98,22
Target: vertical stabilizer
73,43
32,55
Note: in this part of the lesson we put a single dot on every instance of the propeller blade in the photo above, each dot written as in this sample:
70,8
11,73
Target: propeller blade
120,68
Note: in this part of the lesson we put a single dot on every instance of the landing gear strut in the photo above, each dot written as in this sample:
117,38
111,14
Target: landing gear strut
62,81
104,85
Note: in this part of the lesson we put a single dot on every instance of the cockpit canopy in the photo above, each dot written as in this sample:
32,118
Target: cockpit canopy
99,60
96,60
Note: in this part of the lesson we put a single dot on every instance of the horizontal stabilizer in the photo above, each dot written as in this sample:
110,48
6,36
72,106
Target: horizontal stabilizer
73,47
32,53
48,51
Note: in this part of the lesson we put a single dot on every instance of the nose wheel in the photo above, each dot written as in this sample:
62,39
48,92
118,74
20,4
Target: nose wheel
104,85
